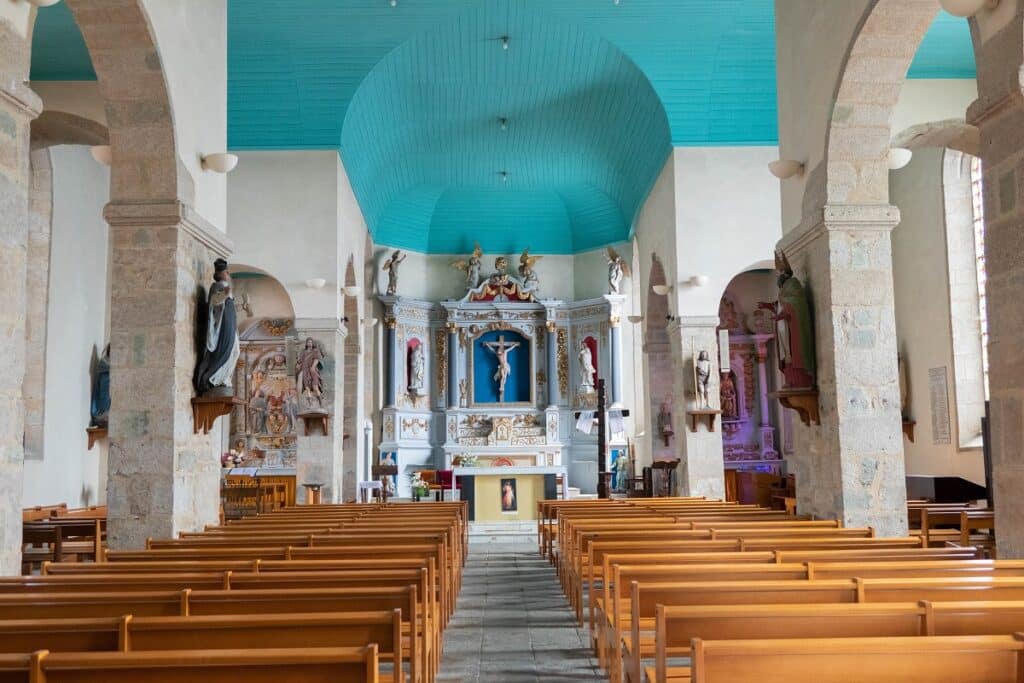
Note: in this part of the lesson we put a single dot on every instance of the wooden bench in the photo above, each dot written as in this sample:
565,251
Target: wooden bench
938,659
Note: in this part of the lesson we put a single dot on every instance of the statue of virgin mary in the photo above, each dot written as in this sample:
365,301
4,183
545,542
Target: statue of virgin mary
220,341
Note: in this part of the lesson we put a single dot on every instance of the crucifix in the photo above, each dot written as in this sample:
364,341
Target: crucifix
500,349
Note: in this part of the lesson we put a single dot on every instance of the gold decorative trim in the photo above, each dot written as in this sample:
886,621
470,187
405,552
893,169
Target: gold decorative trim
563,361
442,363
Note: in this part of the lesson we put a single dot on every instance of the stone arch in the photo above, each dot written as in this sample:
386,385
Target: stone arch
62,128
955,134
660,365
351,449
133,85
858,135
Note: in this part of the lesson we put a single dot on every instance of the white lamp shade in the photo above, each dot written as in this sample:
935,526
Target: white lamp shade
899,157
221,162
965,8
661,290
316,283
351,290
101,153
43,3
635,319
786,168
370,322
699,280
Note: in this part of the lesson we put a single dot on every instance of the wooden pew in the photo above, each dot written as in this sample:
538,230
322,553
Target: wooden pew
937,659
312,665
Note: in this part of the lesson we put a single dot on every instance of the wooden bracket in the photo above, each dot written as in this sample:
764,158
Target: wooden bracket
95,434
908,429
313,419
206,410
803,401
707,414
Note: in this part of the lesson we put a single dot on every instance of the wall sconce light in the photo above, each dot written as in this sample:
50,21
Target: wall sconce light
899,157
967,8
371,322
101,153
316,283
351,290
699,280
221,162
635,319
783,169
661,290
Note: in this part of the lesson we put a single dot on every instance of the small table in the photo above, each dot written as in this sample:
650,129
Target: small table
365,487
312,493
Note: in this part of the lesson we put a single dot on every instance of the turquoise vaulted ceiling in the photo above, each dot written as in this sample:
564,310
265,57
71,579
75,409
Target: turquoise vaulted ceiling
595,93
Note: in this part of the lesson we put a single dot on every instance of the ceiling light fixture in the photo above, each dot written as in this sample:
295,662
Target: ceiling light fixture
221,162
394,3
967,8
784,169
503,122
899,157
504,42
101,153
504,176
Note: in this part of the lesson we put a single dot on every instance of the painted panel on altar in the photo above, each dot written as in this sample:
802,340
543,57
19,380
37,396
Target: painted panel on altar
264,433
502,368
509,501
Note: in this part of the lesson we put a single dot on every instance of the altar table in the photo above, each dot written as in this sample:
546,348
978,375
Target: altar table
484,489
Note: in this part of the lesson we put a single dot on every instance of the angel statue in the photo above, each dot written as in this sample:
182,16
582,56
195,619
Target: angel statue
617,270
391,265
531,283
471,266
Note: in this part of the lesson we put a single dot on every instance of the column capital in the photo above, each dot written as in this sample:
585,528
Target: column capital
839,218
166,213
21,97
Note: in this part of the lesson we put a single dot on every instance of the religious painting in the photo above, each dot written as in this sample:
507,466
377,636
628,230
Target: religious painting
509,500
501,368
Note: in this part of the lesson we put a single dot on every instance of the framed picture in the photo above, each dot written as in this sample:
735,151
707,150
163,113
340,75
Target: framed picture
509,500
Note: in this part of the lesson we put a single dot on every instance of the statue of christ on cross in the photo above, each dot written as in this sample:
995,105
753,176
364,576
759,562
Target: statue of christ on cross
500,349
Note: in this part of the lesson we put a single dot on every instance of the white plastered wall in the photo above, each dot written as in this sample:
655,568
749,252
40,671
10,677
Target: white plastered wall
76,321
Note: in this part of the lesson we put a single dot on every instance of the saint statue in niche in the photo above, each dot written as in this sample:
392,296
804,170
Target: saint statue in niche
472,266
617,271
794,330
587,369
665,422
727,393
391,266
500,349
308,377
99,405
220,342
417,365
702,368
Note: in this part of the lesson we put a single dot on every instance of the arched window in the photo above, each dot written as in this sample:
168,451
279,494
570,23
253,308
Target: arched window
978,204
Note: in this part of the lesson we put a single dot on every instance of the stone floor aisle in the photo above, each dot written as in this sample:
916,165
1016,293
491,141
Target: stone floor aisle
512,624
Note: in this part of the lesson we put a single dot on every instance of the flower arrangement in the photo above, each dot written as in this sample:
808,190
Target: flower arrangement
420,487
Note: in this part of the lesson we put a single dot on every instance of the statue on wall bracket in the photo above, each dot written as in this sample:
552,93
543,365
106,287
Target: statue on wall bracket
309,379
219,351
391,266
618,270
794,335
531,282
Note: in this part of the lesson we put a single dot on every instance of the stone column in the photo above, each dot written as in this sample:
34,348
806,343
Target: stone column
453,365
390,363
850,467
320,456
767,438
999,114
18,106
162,477
551,347
37,297
615,335
702,466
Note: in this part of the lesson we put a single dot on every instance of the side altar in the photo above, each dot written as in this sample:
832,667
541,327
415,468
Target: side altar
492,380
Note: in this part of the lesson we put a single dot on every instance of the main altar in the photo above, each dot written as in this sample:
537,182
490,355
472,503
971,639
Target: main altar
491,383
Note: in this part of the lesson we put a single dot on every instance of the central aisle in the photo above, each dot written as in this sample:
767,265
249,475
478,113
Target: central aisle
512,624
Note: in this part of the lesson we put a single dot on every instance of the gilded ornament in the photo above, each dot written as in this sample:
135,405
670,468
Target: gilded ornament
563,361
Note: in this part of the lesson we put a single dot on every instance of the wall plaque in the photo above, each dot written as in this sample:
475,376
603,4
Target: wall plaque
938,393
